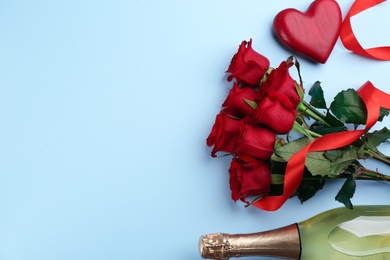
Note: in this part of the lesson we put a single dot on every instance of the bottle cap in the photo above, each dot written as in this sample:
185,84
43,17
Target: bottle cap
214,246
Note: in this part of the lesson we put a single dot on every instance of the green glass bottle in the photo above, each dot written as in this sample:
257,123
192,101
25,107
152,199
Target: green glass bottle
341,233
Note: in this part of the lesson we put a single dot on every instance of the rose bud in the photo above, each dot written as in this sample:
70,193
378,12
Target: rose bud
247,66
280,81
249,179
223,134
255,140
276,112
235,101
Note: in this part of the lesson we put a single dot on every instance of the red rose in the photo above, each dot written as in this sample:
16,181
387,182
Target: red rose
235,101
276,112
249,179
280,81
255,140
223,134
247,66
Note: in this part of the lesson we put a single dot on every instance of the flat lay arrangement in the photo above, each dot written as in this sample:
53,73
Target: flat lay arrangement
286,140
265,103
184,130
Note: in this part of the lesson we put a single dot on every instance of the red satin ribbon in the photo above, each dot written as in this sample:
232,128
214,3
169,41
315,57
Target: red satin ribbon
374,99
349,40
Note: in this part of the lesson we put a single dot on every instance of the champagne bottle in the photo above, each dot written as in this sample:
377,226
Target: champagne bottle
341,233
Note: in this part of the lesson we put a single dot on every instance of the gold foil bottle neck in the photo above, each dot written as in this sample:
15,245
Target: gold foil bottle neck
214,246
283,242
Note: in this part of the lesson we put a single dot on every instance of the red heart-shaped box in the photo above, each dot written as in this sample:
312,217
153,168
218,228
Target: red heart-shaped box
313,33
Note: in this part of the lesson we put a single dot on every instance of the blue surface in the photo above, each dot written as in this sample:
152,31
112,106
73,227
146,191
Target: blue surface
104,110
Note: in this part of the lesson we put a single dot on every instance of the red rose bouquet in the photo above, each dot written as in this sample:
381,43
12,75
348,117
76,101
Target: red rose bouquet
265,104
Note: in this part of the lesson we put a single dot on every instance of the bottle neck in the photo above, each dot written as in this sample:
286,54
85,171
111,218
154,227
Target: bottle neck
282,242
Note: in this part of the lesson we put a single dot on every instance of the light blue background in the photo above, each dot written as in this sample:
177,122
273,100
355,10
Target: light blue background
104,111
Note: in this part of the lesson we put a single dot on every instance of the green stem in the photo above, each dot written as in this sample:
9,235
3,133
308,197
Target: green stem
365,174
302,130
367,152
311,112
373,175
377,156
309,106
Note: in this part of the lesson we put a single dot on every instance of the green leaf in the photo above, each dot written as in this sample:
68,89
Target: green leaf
307,189
333,155
346,192
276,190
322,129
277,179
251,103
383,112
315,162
377,137
276,158
347,157
330,119
361,152
317,96
291,148
349,107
